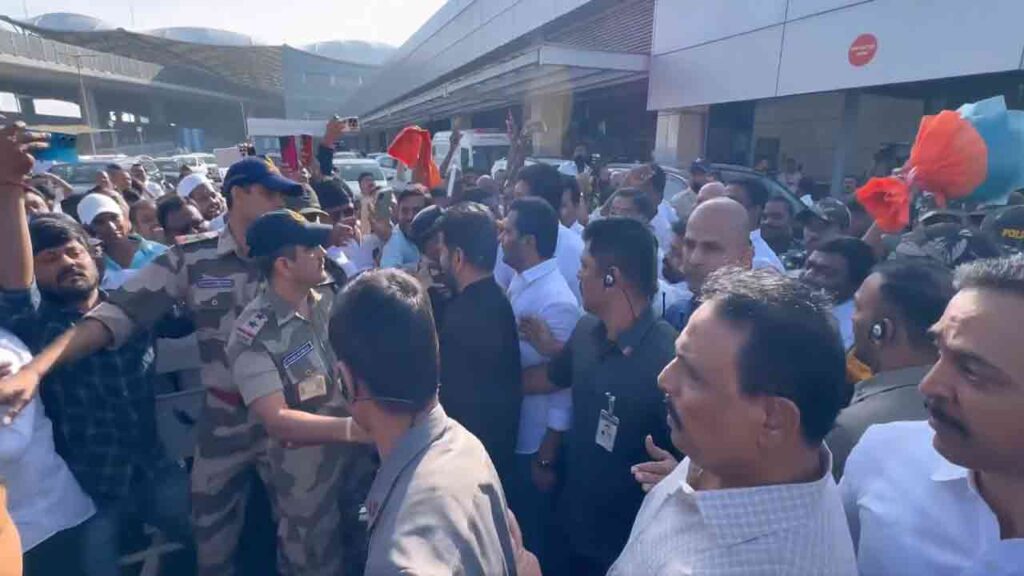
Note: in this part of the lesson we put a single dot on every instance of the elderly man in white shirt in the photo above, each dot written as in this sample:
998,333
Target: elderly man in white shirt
544,181
538,292
946,497
45,501
755,494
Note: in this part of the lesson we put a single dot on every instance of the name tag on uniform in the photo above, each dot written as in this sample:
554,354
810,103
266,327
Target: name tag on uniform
207,282
297,354
607,429
312,387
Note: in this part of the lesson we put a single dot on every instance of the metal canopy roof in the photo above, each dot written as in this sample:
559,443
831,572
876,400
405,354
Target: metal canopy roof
542,70
248,67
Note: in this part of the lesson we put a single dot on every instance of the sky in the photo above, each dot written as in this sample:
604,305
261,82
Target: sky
292,22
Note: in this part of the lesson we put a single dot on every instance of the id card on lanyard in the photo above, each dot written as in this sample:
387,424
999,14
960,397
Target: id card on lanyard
607,425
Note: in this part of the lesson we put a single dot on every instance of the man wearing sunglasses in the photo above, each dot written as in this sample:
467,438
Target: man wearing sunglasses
282,367
436,505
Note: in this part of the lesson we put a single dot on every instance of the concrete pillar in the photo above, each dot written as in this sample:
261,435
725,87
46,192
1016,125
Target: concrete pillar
556,112
846,140
157,111
680,136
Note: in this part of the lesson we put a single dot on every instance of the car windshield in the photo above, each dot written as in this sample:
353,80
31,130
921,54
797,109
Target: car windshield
485,156
83,173
351,172
168,166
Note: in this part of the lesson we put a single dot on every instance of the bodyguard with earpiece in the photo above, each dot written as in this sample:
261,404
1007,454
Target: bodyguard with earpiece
893,311
611,362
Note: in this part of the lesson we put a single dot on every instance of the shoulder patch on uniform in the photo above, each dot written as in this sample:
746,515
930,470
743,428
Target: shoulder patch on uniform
248,330
193,238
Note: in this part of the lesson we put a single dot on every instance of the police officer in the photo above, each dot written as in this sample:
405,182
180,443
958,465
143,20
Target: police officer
215,278
282,366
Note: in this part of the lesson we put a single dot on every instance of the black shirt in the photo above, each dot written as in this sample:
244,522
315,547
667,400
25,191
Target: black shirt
102,406
481,383
601,498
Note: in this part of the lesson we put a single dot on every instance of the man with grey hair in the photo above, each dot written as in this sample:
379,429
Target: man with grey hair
944,497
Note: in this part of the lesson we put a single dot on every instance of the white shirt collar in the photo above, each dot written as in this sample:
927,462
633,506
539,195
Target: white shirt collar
531,275
946,471
736,515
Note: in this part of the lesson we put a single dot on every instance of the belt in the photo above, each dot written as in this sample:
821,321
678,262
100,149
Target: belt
232,398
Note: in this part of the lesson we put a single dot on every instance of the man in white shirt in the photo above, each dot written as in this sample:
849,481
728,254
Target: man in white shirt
792,175
153,190
755,494
44,499
838,268
539,292
752,194
544,181
949,499
568,213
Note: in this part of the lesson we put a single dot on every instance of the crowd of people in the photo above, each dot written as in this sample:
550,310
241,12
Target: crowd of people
558,370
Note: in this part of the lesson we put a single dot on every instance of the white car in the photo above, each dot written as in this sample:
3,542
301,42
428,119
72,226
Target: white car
388,164
349,169
201,164
502,164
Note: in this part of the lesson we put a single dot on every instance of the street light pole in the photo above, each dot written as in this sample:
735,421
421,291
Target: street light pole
85,102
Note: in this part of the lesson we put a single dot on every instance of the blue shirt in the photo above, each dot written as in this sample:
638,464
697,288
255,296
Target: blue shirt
144,254
115,276
399,251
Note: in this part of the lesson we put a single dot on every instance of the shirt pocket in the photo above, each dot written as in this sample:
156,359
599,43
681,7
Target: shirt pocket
307,383
211,305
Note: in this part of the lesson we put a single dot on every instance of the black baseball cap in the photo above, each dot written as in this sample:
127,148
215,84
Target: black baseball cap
256,170
425,224
280,228
827,210
1006,225
700,165
306,203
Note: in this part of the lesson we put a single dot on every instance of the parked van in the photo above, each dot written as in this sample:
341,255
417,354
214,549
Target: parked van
478,148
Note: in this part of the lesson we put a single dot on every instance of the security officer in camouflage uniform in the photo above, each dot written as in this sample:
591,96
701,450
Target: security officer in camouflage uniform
282,366
215,278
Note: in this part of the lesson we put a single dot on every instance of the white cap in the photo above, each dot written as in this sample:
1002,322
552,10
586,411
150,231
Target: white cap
95,204
189,183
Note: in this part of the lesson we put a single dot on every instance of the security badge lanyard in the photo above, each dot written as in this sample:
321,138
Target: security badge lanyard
607,425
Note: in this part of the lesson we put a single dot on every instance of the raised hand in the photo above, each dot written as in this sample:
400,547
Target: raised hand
650,473
16,161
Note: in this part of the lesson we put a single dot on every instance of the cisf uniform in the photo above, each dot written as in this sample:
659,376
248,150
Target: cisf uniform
212,277
215,279
275,349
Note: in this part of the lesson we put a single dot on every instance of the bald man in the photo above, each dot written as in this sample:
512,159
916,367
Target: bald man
717,236
709,191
